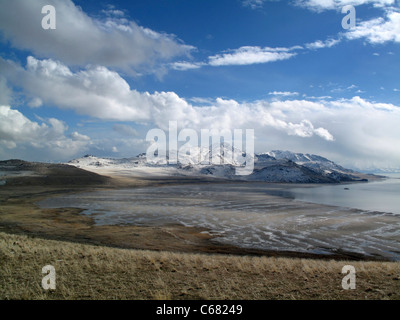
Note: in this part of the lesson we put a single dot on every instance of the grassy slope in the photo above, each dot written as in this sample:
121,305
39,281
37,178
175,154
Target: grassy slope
94,272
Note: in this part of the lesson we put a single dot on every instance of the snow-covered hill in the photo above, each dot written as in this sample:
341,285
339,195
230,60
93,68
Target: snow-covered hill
274,166
310,161
319,164
125,163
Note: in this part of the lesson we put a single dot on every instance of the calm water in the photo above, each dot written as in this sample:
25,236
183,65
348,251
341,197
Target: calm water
381,196
247,215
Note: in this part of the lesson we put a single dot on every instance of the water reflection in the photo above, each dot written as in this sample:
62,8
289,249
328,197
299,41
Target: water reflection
251,215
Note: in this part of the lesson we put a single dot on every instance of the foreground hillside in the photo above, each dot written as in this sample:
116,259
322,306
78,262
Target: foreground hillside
24,173
94,272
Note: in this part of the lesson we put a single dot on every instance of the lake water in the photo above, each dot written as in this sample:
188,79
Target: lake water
381,196
250,215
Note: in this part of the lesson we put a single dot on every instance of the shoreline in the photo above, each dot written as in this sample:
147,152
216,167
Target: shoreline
21,214
69,224
172,262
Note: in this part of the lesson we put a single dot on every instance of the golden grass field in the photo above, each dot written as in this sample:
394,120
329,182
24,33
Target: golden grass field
97,272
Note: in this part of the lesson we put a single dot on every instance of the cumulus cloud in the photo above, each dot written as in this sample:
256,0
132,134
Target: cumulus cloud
365,133
76,136
79,39
103,94
22,137
379,30
305,129
346,130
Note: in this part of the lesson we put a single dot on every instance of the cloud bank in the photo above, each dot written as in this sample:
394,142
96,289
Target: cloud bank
78,73
19,136
112,41
358,128
101,93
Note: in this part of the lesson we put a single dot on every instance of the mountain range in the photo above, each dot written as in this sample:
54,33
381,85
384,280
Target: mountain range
273,166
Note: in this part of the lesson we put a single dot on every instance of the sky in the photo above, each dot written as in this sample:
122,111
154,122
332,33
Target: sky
112,70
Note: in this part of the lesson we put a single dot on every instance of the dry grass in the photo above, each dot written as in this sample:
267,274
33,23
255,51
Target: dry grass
95,272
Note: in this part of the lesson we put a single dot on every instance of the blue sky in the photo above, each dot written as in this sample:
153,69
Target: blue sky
112,70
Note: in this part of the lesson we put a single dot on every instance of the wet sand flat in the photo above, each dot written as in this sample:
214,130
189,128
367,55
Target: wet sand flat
19,214
184,214
244,215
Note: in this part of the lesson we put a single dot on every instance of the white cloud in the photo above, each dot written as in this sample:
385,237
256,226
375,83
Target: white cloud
346,130
365,133
79,39
378,30
76,136
183,65
325,134
321,5
283,93
35,103
253,4
111,11
305,129
245,55
103,94
322,44
21,137
250,55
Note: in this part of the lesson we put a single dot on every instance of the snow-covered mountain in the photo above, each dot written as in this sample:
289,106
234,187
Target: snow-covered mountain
89,161
274,166
311,161
219,153
318,164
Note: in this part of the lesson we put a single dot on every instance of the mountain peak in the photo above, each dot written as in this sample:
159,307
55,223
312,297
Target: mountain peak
273,166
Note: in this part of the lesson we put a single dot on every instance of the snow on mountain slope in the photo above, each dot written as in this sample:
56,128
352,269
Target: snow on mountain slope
219,153
318,164
135,166
274,166
92,161
311,161
288,172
